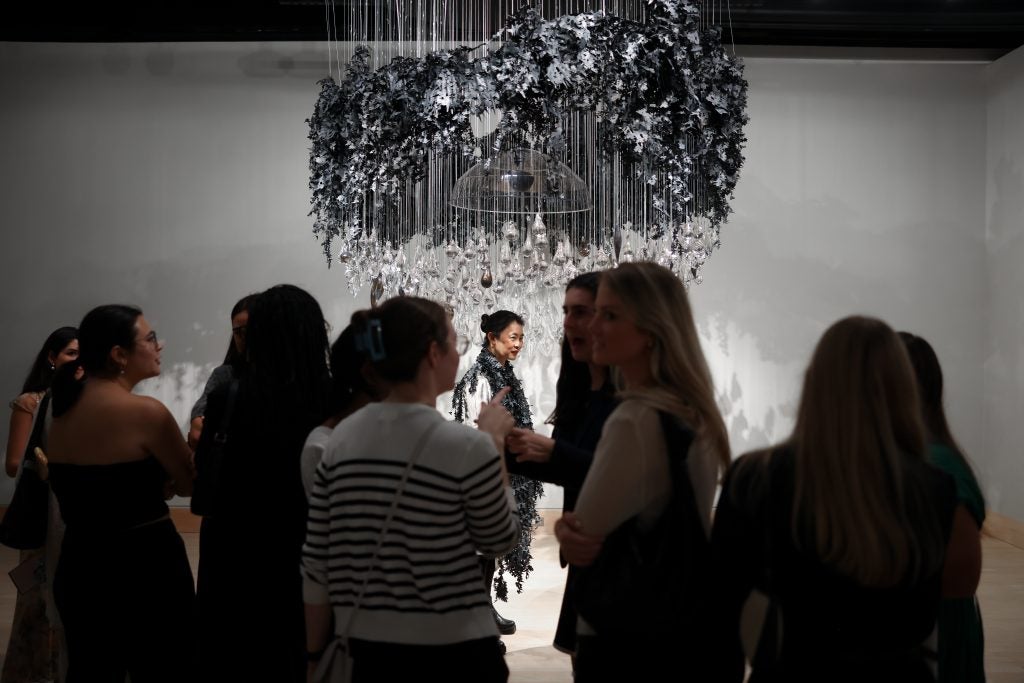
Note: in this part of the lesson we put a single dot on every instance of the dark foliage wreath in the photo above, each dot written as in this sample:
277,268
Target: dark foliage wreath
670,97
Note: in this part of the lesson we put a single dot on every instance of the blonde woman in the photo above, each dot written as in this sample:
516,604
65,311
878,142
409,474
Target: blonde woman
654,476
845,527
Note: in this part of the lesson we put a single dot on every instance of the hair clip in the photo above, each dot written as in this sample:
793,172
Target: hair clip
371,341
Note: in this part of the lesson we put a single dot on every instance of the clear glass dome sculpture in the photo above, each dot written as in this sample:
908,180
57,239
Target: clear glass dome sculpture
521,181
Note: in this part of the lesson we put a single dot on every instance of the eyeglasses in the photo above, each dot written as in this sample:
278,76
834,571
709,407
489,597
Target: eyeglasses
152,338
462,344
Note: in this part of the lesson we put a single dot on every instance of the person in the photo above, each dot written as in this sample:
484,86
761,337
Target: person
844,527
34,651
491,372
351,389
584,398
659,453
422,610
249,589
114,457
222,375
60,347
961,636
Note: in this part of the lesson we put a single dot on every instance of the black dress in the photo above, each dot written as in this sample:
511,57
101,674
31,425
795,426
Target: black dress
832,628
570,461
123,585
251,622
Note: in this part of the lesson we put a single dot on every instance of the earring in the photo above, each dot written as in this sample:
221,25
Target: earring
122,369
52,366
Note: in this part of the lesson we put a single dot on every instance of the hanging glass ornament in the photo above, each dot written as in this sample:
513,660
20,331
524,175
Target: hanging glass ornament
559,258
601,259
486,280
376,291
511,232
451,250
539,225
527,248
506,254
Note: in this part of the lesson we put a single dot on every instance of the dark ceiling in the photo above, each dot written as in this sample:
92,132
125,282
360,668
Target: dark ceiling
996,26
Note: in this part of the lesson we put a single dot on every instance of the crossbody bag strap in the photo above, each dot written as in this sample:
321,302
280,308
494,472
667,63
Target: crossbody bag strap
387,522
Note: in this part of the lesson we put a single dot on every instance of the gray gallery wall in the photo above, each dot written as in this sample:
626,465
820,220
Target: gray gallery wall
174,176
1002,453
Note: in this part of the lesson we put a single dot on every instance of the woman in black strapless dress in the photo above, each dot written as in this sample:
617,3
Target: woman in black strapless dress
123,585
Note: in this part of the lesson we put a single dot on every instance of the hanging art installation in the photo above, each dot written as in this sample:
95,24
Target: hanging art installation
488,174
484,157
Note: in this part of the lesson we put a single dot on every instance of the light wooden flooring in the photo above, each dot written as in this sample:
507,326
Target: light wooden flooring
532,659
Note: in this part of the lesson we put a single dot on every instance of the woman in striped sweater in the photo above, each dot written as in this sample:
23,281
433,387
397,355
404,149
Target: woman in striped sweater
423,607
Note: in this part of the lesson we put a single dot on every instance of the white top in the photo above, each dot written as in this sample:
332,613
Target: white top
630,473
483,394
312,453
425,587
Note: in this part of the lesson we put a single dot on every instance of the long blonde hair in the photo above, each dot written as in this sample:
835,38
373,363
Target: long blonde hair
656,301
857,429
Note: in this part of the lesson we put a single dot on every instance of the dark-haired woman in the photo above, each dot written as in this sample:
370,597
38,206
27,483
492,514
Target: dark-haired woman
423,612
123,584
33,652
59,348
232,368
961,636
351,389
490,373
249,587
846,528
584,400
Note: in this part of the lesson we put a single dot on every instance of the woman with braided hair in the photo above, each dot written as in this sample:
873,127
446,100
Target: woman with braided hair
490,373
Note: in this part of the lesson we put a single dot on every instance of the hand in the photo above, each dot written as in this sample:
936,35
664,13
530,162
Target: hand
42,464
495,419
578,548
195,430
529,446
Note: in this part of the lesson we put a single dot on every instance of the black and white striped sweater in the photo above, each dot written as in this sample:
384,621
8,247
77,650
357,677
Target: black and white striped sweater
425,587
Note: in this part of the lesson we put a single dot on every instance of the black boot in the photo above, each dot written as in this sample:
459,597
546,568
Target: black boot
506,627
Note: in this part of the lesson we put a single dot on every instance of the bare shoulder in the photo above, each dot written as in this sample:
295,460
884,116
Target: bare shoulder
149,408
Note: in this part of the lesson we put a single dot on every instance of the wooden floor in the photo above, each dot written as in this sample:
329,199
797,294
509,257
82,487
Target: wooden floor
531,657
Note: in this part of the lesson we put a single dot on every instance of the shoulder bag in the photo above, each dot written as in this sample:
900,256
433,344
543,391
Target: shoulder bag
24,524
210,457
650,584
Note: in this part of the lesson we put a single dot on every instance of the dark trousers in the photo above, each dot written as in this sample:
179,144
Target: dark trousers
471,661
127,602
487,567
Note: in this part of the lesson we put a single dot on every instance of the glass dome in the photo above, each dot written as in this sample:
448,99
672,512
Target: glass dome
521,181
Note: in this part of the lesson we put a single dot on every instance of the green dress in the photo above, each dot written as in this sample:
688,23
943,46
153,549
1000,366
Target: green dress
961,637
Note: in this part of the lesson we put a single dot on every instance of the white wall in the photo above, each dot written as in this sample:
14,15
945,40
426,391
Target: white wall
1003,451
174,176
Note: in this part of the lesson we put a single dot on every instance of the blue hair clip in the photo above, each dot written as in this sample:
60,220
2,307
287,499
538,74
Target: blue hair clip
371,341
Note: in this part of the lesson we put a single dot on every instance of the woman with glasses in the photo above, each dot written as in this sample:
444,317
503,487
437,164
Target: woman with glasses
491,372
123,584
232,368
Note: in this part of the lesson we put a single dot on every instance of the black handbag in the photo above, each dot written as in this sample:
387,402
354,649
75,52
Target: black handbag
24,524
211,455
652,585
